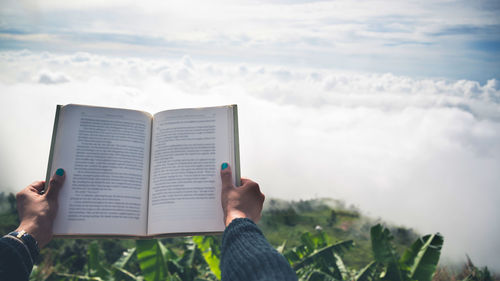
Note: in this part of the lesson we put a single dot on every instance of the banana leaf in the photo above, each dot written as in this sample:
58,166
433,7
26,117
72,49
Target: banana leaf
123,275
317,275
120,263
367,273
385,253
325,253
150,254
95,266
210,251
421,258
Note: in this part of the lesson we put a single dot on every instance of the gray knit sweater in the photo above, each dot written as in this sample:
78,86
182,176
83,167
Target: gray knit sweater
246,255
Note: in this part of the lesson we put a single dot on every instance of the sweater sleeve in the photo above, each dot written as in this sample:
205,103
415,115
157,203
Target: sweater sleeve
15,261
246,255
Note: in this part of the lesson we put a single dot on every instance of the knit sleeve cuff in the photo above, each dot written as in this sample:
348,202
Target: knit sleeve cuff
247,255
15,258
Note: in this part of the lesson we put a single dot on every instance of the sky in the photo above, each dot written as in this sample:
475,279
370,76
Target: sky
393,106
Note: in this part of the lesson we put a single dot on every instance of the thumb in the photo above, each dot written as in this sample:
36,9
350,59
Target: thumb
55,184
226,176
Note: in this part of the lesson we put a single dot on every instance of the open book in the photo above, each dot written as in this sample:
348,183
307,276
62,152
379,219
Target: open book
130,173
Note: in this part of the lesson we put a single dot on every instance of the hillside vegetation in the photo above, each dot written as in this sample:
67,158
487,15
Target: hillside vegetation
321,238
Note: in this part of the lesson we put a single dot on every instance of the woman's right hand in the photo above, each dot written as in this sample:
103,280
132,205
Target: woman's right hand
244,201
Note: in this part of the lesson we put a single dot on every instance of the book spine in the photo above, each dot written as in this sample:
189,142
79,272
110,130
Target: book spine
236,137
149,172
52,145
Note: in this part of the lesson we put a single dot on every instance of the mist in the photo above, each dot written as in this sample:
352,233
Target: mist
423,153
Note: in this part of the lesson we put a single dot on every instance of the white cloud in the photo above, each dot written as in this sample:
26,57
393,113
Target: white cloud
420,152
425,38
46,77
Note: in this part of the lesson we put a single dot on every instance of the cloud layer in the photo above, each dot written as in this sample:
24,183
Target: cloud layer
424,153
457,38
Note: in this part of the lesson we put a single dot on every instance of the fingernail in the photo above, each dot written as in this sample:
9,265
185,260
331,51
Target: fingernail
60,172
224,165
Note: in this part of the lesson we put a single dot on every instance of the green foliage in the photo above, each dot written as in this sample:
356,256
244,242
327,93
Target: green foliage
118,267
385,253
278,224
419,261
152,259
383,249
287,217
333,218
193,262
95,267
379,254
209,246
315,258
473,273
367,273
8,213
122,261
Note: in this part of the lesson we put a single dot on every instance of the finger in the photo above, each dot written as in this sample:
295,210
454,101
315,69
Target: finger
55,184
226,176
37,186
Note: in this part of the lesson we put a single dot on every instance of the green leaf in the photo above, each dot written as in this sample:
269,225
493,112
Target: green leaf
126,255
281,247
123,275
325,253
210,251
367,273
95,266
340,267
384,252
382,247
320,239
308,242
150,254
314,241
422,257
188,261
292,256
173,278
317,275
79,277
393,273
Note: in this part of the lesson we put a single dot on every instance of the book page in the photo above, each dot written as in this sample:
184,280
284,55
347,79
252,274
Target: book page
105,153
188,147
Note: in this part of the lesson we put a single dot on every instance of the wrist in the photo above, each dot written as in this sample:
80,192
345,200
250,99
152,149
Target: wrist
35,231
28,241
232,215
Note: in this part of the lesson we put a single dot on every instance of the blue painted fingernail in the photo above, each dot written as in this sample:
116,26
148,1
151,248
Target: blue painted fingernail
224,165
60,172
